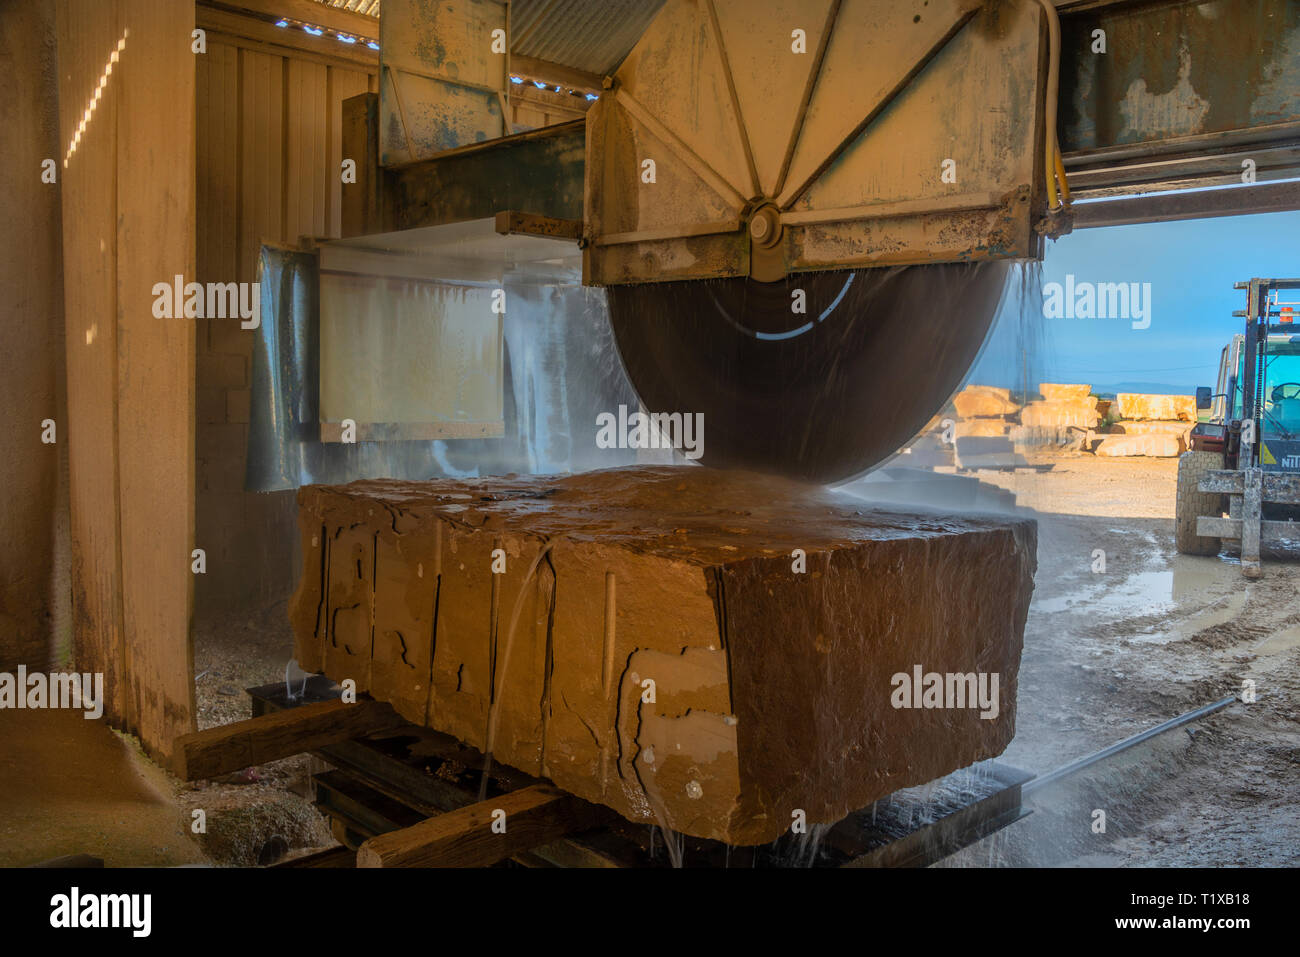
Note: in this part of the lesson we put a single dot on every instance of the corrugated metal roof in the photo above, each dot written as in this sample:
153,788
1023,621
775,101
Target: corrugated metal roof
590,35
368,7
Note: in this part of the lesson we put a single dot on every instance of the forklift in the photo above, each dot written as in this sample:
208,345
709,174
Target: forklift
1245,459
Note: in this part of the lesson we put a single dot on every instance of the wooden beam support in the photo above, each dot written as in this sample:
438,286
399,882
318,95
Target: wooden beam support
335,857
318,14
282,734
363,201
546,98
557,74
1202,204
510,221
241,29
88,195
533,816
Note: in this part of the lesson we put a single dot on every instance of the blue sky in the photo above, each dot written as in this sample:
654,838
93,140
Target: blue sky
1191,267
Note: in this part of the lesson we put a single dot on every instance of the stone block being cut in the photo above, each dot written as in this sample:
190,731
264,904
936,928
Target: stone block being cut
710,651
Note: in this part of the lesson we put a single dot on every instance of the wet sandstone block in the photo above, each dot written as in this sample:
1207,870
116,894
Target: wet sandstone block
709,650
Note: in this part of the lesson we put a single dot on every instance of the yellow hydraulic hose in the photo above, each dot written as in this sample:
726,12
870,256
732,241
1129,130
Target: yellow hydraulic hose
1060,175
1053,161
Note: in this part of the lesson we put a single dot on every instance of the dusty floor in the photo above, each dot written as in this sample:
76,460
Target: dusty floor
72,786
69,785
1107,653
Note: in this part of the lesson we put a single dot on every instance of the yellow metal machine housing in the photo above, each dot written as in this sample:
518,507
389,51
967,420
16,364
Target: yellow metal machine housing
763,137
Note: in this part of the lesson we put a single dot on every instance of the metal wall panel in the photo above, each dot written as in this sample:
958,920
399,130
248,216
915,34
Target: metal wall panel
269,162
1178,70
591,35
306,99
442,83
86,40
128,187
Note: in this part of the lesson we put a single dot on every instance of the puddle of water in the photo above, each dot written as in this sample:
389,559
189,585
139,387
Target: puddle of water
1210,591
1145,593
1200,579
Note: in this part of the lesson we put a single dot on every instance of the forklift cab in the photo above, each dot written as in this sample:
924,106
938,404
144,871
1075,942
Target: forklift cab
1279,448
1279,403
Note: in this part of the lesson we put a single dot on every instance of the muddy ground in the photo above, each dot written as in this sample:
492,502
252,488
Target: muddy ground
1107,653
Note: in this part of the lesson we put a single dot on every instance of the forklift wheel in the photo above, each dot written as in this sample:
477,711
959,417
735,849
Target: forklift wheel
1192,503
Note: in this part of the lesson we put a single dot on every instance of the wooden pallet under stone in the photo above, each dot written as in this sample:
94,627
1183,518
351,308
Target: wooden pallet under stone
408,796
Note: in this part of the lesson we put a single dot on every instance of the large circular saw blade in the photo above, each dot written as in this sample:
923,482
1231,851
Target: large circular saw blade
821,394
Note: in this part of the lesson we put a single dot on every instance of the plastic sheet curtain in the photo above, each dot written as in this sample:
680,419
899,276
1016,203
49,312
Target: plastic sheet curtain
284,447
561,370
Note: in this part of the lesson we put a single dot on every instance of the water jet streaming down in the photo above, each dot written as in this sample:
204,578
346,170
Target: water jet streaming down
1015,353
494,707
807,846
674,842
289,693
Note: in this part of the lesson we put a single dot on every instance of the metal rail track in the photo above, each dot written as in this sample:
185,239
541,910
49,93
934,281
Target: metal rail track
1074,767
